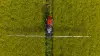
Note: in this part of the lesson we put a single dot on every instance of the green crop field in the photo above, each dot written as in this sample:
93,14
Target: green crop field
21,17
71,18
77,17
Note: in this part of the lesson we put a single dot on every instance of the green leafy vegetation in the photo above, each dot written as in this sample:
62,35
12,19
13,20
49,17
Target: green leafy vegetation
21,46
21,17
79,17
71,17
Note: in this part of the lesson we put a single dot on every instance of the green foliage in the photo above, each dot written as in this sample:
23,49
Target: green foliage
14,46
71,17
21,17
24,17
77,17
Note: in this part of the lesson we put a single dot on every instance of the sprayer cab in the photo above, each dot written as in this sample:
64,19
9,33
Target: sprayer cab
49,26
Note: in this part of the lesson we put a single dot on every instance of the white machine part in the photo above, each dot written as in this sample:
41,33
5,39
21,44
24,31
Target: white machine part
49,29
